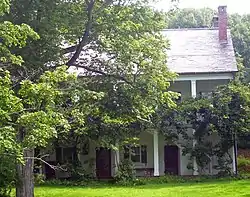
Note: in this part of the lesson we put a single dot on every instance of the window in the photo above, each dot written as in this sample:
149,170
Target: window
207,95
65,155
178,100
137,154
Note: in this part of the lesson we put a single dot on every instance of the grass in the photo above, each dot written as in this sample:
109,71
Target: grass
212,189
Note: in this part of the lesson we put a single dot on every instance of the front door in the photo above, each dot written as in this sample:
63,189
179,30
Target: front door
171,158
103,163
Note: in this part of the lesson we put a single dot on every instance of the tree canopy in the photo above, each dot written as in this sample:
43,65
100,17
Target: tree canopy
117,48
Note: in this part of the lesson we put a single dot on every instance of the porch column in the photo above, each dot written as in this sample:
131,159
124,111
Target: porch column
156,154
117,158
234,161
193,93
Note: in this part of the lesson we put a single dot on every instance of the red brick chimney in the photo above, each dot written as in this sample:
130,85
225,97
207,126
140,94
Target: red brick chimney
223,22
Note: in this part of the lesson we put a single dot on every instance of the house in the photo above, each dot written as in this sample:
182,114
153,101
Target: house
204,59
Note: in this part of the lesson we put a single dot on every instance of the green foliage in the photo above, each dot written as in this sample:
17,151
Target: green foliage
243,165
123,58
223,116
126,173
190,18
39,179
4,7
7,174
81,183
239,25
31,113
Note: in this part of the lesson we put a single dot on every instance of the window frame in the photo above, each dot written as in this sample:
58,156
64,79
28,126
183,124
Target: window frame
63,157
206,94
143,152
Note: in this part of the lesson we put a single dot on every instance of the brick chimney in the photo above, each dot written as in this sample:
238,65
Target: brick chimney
222,23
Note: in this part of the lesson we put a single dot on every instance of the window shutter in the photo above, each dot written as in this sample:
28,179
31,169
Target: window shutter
144,154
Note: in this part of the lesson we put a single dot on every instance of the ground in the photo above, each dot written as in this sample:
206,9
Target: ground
214,189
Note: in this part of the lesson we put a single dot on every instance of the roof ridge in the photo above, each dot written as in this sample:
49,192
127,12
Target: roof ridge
186,29
191,55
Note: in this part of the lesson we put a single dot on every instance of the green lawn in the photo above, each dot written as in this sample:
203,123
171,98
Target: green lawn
219,189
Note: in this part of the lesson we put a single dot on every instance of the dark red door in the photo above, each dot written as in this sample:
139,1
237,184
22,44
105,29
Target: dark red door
49,172
171,159
103,163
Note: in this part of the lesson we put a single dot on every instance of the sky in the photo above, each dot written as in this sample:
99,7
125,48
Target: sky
234,6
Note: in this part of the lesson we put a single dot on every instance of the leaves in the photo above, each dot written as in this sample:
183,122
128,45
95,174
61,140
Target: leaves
215,121
13,36
4,7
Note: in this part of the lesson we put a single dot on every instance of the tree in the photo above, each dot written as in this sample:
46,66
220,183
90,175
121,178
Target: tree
190,18
226,115
127,34
121,54
28,120
239,25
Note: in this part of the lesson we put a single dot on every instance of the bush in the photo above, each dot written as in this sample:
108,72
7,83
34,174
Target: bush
243,165
7,174
126,174
39,179
169,179
64,182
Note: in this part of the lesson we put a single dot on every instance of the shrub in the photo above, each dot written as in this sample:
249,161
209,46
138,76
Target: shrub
126,174
39,179
243,165
64,182
7,174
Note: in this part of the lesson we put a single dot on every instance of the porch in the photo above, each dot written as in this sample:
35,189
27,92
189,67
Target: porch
153,156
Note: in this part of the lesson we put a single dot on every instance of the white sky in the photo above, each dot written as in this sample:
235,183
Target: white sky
234,6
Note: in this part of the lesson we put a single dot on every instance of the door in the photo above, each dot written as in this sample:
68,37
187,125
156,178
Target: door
49,172
171,158
103,163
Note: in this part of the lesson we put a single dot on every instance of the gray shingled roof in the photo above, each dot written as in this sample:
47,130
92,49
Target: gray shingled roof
199,51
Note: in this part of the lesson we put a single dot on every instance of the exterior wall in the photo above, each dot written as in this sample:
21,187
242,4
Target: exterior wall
209,85
184,87
88,161
145,138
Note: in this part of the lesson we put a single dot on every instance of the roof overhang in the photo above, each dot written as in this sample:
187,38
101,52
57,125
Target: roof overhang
205,76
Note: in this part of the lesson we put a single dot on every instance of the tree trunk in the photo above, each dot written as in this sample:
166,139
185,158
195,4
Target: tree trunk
25,184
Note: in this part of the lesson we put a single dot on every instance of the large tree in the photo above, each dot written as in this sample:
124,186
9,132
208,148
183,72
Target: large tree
190,18
239,25
117,47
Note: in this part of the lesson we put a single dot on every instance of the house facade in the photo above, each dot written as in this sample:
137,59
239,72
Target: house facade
204,59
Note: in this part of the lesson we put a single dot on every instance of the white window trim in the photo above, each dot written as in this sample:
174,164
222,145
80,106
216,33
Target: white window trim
140,150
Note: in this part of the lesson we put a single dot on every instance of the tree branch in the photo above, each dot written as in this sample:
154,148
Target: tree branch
69,49
104,74
84,39
45,162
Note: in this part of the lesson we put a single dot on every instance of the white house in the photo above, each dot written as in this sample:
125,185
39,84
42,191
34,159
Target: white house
204,58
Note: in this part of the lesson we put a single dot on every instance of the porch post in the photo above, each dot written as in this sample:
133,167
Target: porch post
156,154
117,159
194,94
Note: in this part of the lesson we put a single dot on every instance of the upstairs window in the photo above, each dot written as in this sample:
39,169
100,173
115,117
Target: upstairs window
206,95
